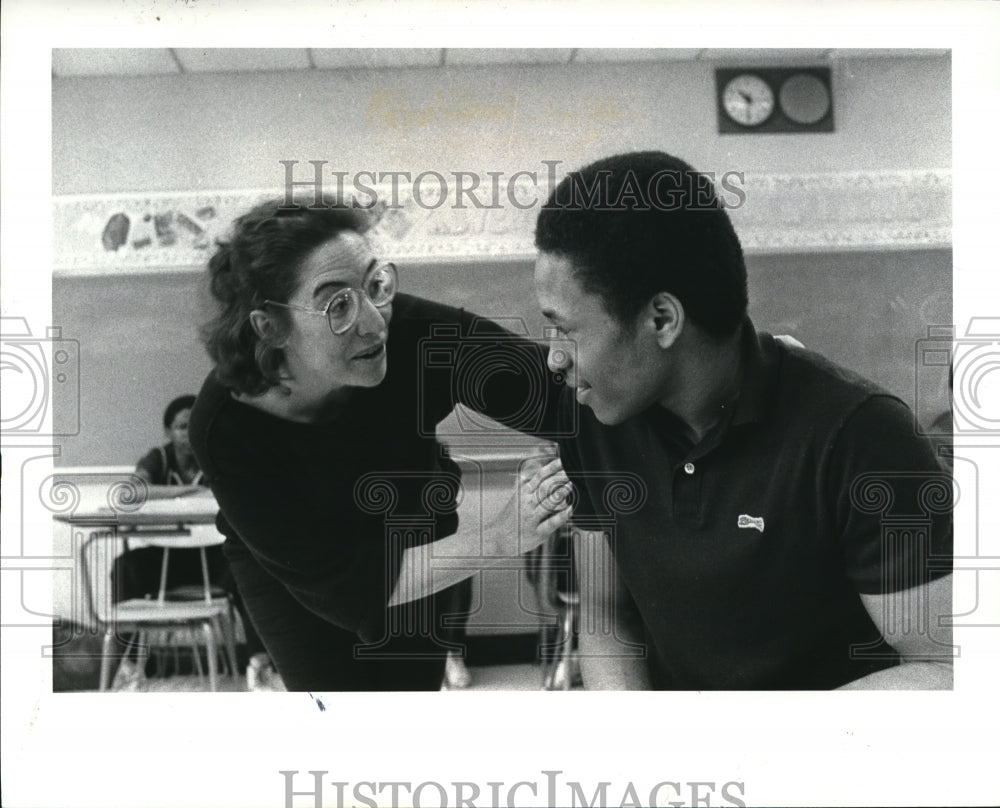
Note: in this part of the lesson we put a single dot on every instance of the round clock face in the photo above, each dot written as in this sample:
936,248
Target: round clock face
748,99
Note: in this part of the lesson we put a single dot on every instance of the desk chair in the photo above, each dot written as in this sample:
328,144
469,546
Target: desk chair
208,617
557,590
201,538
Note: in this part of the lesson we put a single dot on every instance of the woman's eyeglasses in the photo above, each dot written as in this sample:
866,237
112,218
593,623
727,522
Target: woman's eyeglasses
344,307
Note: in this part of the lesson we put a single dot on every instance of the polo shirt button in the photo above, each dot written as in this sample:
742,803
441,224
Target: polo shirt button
689,468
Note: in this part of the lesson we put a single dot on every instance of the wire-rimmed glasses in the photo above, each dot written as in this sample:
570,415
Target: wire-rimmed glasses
344,307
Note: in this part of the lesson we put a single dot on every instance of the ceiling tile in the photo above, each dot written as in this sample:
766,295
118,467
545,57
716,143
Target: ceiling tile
112,61
153,61
760,55
333,58
876,53
497,56
228,60
635,54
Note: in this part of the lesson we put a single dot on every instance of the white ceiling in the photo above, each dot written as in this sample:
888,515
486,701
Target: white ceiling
159,61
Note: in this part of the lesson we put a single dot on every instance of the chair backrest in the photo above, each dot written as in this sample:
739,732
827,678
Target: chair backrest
99,554
197,537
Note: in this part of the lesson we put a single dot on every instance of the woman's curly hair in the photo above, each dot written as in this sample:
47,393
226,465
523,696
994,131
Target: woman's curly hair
260,261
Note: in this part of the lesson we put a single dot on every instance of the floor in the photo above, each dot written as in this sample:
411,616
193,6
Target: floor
487,678
76,668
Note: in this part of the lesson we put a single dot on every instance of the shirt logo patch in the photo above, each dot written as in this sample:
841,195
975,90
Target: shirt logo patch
751,521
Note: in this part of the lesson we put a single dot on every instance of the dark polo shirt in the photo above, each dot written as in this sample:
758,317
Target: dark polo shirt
745,553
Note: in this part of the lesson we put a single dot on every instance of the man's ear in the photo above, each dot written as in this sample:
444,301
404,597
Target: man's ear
668,318
263,324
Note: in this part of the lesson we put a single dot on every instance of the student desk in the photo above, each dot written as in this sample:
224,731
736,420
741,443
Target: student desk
100,515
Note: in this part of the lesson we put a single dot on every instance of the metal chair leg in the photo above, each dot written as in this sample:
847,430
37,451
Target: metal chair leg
109,636
227,630
159,654
196,656
567,650
176,646
220,632
206,628
232,628
560,673
550,651
142,653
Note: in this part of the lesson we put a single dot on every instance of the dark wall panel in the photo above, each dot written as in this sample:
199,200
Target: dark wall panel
139,347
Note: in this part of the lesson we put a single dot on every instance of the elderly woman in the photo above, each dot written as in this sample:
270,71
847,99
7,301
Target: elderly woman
315,431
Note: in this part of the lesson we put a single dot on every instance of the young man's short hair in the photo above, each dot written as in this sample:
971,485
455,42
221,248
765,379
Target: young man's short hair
646,222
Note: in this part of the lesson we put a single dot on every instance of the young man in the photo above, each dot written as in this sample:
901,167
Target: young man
750,515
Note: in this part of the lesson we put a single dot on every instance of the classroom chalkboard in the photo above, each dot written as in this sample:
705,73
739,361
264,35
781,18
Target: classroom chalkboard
138,346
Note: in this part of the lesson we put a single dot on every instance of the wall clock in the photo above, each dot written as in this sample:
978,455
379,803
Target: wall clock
748,99
774,100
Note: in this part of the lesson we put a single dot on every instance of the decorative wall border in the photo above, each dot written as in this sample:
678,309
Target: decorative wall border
773,213
884,210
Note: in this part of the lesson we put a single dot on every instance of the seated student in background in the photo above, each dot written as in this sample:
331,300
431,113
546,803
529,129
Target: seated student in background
316,432
751,477
170,470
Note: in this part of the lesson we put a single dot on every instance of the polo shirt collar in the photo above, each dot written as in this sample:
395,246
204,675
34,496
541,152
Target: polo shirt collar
758,378
759,375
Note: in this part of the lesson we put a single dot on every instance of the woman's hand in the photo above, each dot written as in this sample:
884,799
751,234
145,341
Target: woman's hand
538,508
542,502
